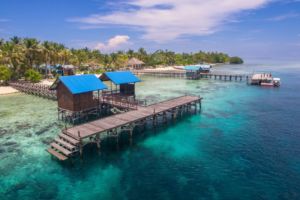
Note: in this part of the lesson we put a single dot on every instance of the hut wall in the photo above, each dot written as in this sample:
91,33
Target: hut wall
65,98
84,101
68,72
127,89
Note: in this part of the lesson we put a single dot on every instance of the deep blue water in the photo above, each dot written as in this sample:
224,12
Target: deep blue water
243,145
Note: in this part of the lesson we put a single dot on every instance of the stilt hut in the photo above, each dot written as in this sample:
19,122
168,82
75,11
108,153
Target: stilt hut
205,68
194,71
134,63
122,83
78,95
68,70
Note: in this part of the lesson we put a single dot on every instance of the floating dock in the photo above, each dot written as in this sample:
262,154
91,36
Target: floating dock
72,140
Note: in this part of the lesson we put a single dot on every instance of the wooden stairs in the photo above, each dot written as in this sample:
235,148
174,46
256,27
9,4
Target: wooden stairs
63,146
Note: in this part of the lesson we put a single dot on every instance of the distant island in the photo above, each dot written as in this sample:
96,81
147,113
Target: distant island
21,57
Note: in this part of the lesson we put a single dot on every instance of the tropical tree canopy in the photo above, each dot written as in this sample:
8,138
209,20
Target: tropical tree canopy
5,74
33,76
22,54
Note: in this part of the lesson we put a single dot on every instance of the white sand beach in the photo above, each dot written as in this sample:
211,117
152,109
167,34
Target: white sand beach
7,90
167,68
47,81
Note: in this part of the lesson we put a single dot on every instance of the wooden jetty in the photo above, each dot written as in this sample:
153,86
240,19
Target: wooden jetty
161,73
72,140
34,89
182,74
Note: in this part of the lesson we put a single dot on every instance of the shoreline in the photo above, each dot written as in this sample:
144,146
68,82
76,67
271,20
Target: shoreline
5,90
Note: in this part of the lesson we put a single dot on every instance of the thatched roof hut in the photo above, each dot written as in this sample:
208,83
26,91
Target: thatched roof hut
134,63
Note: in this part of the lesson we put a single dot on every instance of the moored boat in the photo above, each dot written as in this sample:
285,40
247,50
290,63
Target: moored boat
265,79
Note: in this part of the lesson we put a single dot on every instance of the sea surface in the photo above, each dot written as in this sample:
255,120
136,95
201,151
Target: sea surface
245,144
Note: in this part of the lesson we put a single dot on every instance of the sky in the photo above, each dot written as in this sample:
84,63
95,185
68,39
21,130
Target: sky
250,29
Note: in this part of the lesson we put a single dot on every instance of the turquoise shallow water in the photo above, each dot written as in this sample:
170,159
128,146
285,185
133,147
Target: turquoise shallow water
244,145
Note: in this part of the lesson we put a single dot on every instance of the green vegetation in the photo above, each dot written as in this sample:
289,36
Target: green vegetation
236,60
33,76
5,74
23,54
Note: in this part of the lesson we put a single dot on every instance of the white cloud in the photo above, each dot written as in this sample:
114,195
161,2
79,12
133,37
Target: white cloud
113,43
284,17
163,20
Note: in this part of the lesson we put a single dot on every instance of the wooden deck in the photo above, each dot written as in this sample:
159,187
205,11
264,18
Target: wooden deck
115,121
71,140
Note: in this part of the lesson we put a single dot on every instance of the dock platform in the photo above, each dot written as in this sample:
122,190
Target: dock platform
71,140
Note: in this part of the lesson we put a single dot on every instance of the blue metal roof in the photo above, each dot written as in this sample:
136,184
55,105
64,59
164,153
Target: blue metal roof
82,83
197,67
192,67
122,77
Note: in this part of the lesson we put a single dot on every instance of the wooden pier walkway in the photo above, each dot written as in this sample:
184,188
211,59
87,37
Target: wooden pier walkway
34,89
72,140
182,74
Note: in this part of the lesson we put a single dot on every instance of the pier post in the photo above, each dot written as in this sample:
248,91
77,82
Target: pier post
154,119
200,106
175,113
80,146
172,114
180,111
115,134
144,121
98,141
131,133
165,117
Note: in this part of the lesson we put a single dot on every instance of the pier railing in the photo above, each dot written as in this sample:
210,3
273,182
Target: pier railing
225,76
122,101
34,89
161,73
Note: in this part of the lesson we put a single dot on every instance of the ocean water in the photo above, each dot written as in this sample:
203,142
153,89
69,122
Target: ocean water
243,145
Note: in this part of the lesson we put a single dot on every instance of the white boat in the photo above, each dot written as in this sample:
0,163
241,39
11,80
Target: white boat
265,79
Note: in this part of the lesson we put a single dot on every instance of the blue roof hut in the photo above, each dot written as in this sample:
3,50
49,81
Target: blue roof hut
124,82
76,93
194,71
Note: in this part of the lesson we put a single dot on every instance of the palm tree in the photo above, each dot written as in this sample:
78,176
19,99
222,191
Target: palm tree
16,40
142,54
113,57
46,52
65,55
106,60
130,53
33,51
13,56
